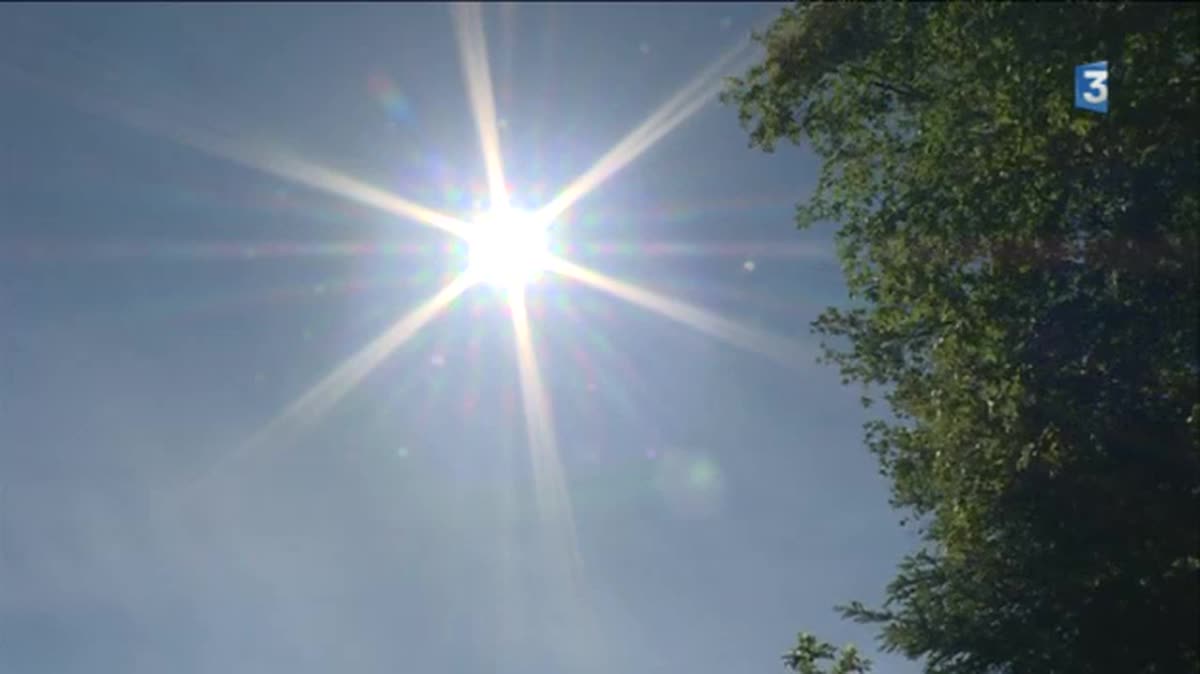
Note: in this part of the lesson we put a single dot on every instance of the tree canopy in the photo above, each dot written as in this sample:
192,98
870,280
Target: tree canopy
1023,280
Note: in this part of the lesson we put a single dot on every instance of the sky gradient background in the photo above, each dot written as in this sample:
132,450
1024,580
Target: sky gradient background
160,305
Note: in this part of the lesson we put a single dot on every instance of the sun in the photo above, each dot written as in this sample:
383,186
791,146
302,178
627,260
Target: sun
507,249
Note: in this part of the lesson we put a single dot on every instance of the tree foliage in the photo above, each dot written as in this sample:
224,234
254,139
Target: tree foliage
810,654
1024,296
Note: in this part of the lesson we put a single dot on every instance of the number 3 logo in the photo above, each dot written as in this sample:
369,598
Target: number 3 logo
1097,85
1091,86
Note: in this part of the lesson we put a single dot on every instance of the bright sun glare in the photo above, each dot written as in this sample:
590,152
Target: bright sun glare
508,249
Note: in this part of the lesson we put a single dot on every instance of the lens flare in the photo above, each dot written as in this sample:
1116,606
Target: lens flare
508,250
472,49
310,407
786,351
256,155
676,110
554,504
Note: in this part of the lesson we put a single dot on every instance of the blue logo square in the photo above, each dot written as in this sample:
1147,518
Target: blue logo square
1091,86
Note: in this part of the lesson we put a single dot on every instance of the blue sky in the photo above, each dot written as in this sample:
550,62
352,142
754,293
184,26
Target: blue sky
162,305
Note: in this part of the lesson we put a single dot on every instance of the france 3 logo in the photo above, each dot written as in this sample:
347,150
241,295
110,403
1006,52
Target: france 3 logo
1091,87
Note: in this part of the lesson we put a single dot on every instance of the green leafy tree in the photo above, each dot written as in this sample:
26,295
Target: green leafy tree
1023,278
810,654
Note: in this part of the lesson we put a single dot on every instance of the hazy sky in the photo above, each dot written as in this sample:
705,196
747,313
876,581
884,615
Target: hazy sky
161,304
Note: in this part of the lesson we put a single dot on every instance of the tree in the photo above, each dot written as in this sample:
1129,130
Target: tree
807,656
1023,281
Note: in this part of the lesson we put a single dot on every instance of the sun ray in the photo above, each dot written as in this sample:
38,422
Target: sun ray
472,50
279,163
309,407
554,504
231,249
271,160
339,184
550,488
786,351
679,248
677,109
